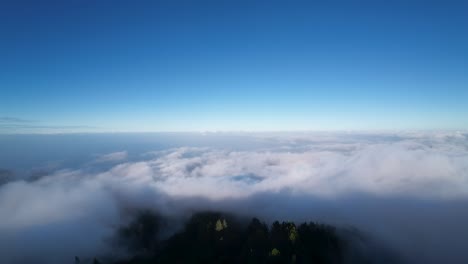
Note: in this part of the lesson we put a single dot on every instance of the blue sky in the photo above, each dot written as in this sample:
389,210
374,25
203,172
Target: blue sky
85,66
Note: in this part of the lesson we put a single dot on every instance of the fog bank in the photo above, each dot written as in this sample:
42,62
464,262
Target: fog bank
408,191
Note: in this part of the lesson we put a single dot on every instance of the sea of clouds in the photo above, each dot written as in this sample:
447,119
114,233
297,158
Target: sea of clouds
407,190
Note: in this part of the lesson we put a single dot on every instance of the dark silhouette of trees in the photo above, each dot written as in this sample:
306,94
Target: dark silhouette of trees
141,235
211,237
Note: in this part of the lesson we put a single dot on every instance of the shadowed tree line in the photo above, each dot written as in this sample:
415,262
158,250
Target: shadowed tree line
212,237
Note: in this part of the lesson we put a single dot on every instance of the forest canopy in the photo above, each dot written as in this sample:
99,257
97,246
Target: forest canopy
215,237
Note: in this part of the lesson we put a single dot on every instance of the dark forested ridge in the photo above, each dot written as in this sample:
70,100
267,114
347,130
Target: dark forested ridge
213,237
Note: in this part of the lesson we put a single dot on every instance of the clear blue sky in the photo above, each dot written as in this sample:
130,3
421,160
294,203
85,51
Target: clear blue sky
232,65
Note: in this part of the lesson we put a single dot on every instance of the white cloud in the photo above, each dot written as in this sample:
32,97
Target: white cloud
328,169
407,168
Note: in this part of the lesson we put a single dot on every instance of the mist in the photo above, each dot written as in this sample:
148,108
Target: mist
407,192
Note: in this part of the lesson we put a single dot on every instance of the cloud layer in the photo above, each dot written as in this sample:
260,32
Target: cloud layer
112,157
400,187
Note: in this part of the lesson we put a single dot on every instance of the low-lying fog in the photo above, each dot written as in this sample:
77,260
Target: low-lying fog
64,195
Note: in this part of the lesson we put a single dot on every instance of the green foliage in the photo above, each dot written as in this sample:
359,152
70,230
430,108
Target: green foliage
221,224
275,252
292,232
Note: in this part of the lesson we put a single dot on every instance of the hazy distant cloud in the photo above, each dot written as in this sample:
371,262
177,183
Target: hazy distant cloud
12,120
19,125
6,176
112,157
396,186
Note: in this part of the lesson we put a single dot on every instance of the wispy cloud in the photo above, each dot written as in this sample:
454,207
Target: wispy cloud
112,157
14,120
19,125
